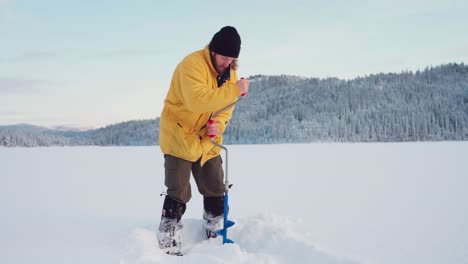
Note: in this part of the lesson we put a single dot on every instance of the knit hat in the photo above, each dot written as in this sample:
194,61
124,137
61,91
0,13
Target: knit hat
226,42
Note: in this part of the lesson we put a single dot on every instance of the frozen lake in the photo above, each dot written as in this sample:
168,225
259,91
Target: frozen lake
336,203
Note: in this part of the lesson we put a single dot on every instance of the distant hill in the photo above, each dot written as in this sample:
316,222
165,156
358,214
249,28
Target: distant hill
426,105
131,133
24,135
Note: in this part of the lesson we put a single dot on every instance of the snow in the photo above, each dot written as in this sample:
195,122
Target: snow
279,244
304,203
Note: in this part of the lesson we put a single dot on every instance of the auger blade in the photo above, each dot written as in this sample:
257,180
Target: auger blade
229,224
221,232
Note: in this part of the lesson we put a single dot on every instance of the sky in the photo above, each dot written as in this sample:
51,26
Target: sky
89,64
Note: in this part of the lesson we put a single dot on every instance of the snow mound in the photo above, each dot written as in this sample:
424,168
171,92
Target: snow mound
259,239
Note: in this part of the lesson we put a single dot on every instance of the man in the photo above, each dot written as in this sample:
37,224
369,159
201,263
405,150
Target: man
203,83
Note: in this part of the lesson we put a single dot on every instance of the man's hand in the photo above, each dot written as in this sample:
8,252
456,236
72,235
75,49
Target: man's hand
243,85
212,128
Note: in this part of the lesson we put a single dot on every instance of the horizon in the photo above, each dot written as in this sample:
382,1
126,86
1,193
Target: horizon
90,64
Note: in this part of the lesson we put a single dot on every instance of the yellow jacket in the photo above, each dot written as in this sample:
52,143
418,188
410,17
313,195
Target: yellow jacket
192,98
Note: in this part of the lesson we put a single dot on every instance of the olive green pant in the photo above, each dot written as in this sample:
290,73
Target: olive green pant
209,178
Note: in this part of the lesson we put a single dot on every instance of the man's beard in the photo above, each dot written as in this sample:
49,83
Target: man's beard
215,66
220,71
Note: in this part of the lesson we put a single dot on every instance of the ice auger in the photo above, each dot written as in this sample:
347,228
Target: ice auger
227,223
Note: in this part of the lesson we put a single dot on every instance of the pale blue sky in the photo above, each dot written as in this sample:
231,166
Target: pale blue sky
94,63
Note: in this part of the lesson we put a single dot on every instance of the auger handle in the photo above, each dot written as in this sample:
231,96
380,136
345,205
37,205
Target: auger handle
211,121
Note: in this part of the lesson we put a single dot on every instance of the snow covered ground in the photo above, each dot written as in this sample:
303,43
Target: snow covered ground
306,203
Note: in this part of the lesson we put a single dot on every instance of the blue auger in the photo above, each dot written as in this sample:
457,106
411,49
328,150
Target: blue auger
227,223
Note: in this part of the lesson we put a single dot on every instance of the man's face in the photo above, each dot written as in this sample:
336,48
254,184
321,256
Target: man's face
220,62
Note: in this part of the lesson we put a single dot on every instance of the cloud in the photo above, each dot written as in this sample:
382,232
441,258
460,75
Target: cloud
5,2
126,53
22,86
7,15
30,56
8,117
5,9
35,55
9,114
103,55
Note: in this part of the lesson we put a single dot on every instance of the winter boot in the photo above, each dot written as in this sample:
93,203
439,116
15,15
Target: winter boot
170,226
213,215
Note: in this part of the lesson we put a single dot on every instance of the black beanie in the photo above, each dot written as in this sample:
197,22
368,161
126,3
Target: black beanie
226,42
